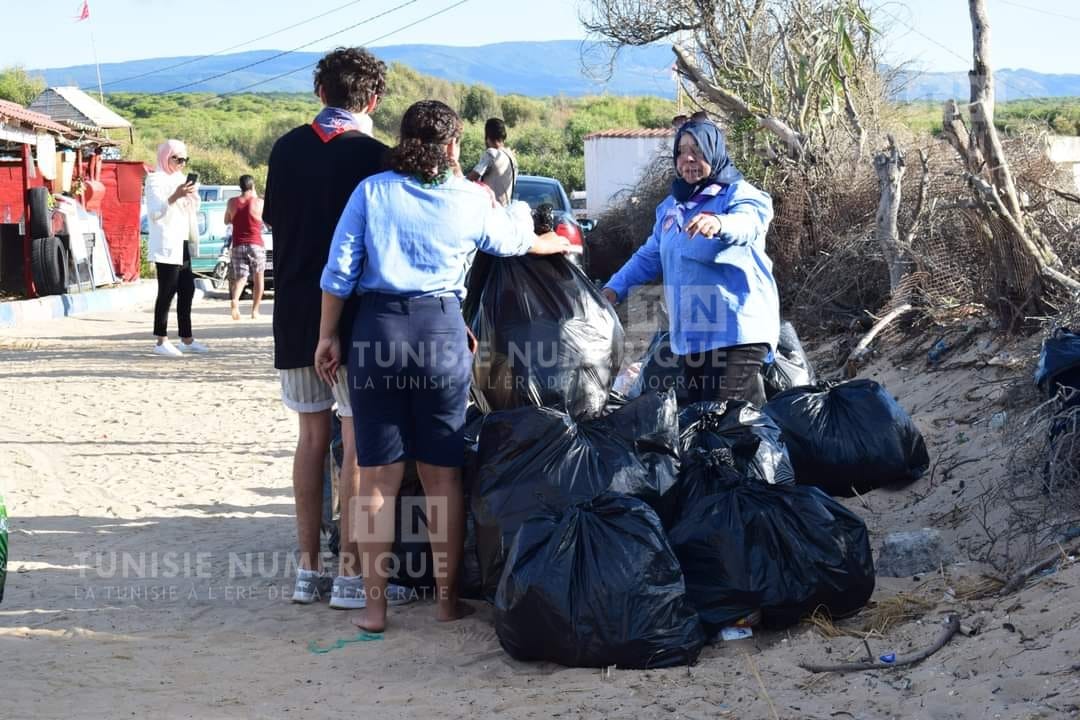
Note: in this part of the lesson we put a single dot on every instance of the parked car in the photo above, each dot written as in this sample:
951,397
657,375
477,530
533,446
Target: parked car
212,257
213,193
537,190
579,203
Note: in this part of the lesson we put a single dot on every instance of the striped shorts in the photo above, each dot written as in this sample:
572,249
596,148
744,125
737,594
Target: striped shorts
303,391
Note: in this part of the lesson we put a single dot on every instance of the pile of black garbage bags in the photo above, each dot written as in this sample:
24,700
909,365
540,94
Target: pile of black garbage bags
629,531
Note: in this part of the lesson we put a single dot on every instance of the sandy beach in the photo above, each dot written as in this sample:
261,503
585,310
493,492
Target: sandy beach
152,543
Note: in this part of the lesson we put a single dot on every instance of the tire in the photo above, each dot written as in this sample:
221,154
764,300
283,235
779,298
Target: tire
220,279
40,217
49,264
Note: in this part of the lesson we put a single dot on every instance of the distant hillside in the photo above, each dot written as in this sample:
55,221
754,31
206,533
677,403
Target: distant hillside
1010,84
528,68
538,69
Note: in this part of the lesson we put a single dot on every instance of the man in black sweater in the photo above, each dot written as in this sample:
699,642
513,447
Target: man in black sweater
313,170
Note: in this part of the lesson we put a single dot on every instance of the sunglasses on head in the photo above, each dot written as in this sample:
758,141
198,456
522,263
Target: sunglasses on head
180,160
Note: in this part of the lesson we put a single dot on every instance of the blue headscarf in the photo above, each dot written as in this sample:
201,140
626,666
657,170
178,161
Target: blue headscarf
711,141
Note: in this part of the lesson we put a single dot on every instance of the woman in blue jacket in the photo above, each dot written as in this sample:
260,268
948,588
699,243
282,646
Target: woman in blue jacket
708,241
403,244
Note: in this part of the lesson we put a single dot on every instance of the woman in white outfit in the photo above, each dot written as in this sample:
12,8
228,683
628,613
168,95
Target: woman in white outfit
171,204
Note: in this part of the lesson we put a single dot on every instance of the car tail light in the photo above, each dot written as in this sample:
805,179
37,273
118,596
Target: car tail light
569,231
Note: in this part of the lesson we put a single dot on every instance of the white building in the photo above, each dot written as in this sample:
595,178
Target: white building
615,160
1062,149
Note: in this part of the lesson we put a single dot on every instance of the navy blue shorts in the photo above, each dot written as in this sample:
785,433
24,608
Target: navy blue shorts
409,375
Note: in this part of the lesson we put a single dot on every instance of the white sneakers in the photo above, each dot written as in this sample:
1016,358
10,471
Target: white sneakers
193,347
168,349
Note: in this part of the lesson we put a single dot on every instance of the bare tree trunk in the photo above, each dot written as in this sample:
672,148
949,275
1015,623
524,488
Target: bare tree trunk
983,98
1024,261
889,166
921,209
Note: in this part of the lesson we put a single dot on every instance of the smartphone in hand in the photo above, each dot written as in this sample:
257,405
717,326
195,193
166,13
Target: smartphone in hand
192,178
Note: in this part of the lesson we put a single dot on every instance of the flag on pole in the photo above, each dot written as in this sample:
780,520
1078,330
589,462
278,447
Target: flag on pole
84,13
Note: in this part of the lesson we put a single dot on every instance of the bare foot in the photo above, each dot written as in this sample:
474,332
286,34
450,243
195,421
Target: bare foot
254,314
369,619
447,612
235,313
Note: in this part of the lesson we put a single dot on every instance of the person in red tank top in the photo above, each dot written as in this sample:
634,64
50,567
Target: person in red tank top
247,256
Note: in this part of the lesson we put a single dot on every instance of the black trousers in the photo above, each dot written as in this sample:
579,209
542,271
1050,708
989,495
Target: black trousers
731,373
174,281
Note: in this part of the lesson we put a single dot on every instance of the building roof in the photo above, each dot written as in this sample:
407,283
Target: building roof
633,133
71,103
10,111
30,123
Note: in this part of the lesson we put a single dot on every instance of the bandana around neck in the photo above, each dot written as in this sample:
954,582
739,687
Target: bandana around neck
680,209
331,122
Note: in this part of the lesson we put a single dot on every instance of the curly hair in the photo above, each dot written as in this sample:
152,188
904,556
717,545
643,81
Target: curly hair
350,78
426,127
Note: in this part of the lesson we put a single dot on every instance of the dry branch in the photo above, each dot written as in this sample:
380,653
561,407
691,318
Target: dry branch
862,350
921,207
955,132
735,105
1018,580
952,626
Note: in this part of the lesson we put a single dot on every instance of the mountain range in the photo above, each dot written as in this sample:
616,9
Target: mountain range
538,69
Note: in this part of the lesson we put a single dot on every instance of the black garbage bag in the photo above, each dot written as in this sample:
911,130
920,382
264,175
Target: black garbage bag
547,337
790,366
782,549
615,402
848,438
1058,375
1059,362
749,436
662,370
534,457
471,583
593,585
736,434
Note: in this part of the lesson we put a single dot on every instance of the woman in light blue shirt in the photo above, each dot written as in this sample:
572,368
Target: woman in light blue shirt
403,244
708,241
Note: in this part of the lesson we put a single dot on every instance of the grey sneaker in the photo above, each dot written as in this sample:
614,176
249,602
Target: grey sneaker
400,595
348,594
310,586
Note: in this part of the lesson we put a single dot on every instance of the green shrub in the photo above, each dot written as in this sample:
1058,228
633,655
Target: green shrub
146,268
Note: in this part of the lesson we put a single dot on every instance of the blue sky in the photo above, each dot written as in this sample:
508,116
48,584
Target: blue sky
933,34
